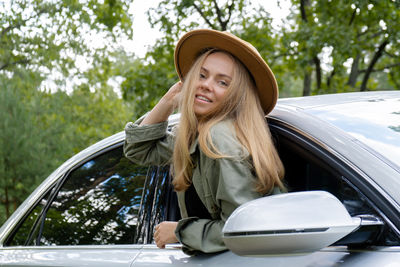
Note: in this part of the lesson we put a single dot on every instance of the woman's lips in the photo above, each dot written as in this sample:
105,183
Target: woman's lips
203,98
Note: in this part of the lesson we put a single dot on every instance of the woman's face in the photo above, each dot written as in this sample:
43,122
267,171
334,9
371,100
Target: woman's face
213,82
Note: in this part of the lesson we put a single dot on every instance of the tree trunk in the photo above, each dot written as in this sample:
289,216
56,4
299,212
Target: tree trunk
354,71
318,71
307,74
330,77
7,202
303,4
307,83
375,59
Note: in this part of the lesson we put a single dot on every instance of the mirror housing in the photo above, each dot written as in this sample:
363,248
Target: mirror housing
290,223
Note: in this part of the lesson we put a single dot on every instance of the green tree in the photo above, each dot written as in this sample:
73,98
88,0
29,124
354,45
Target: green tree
361,33
23,158
38,129
52,36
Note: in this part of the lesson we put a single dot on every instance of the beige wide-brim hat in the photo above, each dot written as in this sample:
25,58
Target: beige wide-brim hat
195,42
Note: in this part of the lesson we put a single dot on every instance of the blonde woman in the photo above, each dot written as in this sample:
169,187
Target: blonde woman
221,153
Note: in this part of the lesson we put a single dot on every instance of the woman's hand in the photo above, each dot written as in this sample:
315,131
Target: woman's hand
172,97
165,106
165,234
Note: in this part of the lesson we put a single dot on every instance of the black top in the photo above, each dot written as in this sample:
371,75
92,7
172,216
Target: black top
194,206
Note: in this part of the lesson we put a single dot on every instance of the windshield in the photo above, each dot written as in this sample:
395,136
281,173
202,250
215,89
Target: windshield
375,123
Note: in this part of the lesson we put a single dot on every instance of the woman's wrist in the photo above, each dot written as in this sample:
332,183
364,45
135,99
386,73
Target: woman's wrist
165,106
159,113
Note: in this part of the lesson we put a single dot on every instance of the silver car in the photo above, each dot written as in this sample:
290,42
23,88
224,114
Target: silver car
342,159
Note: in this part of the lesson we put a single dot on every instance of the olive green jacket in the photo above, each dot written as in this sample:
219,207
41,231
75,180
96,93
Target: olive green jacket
222,184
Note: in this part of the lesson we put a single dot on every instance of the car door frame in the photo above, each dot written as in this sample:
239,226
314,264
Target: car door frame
70,255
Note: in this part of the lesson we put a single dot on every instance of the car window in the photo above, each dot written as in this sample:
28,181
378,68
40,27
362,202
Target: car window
21,236
158,200
306,168
97,203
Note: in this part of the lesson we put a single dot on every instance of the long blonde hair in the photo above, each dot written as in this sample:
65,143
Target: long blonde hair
241,104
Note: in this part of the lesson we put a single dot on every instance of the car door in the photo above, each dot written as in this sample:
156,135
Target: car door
99,213
309,166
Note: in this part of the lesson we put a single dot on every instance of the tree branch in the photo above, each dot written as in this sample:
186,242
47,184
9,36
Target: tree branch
375,59
354,72
330,77
230,9
390,54
353,16
212,26
6,65
9,28
318,71
303,4
219,16
382,69
19,24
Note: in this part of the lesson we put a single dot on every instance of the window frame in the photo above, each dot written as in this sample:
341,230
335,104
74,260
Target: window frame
55,187
349,172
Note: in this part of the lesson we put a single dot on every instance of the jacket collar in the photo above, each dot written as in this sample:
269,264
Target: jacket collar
193,147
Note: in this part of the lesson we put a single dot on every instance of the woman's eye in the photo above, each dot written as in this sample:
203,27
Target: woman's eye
202,76
223,83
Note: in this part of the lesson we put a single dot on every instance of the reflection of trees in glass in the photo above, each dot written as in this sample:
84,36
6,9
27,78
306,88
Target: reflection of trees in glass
22,234
395,128
98,204
155,197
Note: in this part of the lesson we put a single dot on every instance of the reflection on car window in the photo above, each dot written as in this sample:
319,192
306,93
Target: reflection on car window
155,203
98,203
305,170
21,236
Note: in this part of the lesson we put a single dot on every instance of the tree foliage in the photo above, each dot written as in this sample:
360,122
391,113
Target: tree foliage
51,37
359,38
39,129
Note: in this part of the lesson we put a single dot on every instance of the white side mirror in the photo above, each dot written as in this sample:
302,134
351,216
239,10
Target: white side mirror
291,223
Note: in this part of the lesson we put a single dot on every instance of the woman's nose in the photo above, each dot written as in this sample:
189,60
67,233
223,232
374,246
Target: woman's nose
206,83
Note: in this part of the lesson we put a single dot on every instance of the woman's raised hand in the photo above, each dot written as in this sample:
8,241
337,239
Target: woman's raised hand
173,96
167,104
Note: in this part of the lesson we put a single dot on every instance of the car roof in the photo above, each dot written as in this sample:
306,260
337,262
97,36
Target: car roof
309,102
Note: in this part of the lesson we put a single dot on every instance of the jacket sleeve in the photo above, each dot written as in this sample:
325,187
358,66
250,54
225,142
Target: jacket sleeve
148,144
231,186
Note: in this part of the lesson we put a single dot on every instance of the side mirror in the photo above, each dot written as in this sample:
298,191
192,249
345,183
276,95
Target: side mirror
291,223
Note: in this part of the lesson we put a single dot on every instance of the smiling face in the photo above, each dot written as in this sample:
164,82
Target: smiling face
215,77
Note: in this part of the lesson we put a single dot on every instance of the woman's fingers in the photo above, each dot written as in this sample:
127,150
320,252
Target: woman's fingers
165,234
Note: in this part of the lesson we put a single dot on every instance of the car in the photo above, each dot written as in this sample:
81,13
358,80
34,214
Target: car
341,154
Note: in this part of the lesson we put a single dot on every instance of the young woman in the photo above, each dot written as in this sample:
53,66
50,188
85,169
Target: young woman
221,153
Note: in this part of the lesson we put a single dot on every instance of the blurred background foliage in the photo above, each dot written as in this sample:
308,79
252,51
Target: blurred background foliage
51,107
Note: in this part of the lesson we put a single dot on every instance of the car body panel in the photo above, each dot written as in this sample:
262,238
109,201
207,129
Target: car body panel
74,256
150,255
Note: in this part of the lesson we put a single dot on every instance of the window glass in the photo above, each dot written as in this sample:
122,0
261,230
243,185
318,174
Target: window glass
98,203
306,170
155,202
21,236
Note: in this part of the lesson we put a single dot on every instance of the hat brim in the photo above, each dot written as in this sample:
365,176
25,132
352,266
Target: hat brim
196,41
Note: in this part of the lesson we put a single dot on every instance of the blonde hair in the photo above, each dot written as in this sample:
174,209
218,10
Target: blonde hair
241,104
